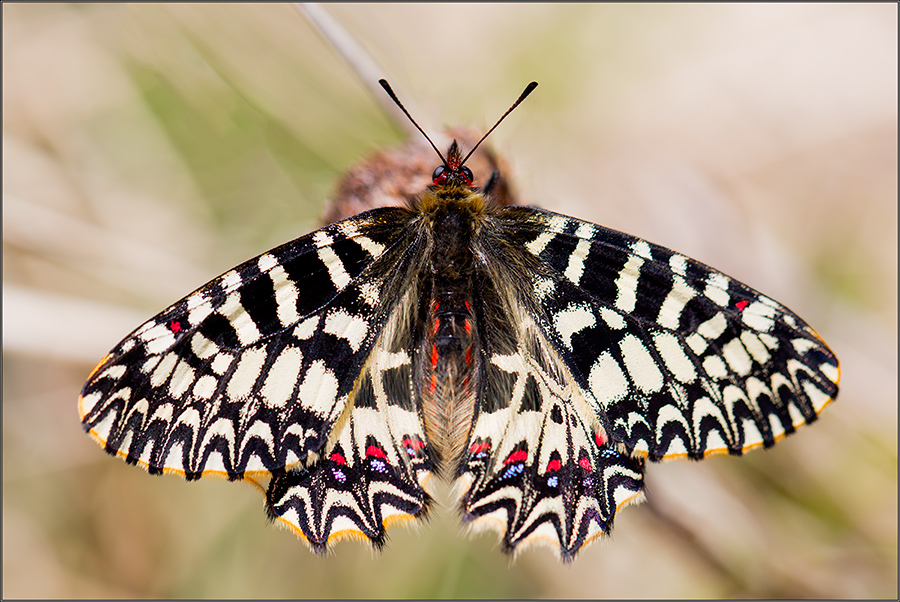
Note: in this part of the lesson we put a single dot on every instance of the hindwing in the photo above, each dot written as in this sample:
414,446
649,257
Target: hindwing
540,467
372,474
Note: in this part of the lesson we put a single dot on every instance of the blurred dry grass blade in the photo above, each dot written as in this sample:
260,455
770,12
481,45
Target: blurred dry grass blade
129,263
61,327
368,72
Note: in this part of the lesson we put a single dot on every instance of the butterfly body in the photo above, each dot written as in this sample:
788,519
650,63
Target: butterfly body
445,223
537,359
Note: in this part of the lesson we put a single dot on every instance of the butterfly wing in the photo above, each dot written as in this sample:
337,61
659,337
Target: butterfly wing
373,474
678,359
615,350
299,365
539,467
250,373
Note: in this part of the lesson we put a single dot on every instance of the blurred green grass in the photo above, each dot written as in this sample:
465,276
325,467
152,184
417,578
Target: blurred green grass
148,148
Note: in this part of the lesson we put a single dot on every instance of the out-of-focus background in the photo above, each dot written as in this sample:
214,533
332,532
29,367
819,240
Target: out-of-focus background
148,148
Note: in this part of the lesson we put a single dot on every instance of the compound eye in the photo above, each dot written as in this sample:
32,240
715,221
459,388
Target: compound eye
467,175
438,174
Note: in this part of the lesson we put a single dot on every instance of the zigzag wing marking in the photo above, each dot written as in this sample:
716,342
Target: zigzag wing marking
372,475
539,467
249,373
681,359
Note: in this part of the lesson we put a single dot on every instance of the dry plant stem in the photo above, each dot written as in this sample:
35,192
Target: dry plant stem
357,58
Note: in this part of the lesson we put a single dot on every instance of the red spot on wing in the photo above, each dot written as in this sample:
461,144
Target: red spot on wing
476,448
553,465
337,458
585,463
375,452
414,443
600,438
175,326
517,456
742,304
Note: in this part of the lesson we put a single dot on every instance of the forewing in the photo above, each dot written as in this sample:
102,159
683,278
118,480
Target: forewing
250,373
677,358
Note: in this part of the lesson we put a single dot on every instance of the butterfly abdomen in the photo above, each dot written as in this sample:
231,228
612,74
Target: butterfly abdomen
447,362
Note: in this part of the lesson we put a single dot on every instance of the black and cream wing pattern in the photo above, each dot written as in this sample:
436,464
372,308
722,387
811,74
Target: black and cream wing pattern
536,358
622,350
266,374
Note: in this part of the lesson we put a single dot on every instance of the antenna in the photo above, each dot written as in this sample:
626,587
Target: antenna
387,88
528,89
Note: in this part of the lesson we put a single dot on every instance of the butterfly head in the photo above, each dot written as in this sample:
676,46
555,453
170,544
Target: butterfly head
452,171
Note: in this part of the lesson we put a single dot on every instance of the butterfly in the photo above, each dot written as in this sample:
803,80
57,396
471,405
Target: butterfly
536,359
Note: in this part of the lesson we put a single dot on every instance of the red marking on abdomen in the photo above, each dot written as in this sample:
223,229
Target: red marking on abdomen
517,456
434,356
468,356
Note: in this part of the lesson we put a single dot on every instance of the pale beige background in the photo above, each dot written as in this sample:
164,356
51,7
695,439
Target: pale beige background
148,148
